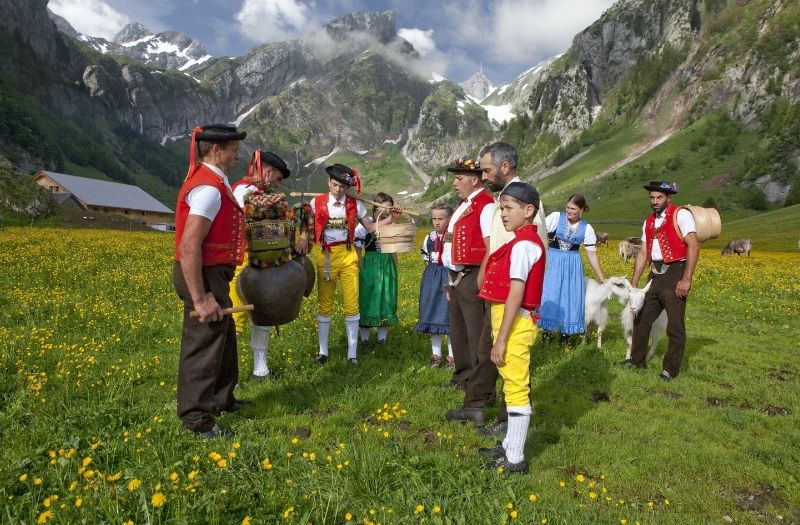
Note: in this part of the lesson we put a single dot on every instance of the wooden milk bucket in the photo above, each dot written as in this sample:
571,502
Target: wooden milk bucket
397,238
707,222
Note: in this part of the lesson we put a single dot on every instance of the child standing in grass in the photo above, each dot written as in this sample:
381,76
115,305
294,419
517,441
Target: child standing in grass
433,307
513,286
378,277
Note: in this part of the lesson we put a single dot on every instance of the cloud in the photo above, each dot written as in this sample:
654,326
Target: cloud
90,17
525,29
421,39
272,20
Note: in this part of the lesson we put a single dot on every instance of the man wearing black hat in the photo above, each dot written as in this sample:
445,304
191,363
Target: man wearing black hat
466,242
266,171
335,216
209,234
670,246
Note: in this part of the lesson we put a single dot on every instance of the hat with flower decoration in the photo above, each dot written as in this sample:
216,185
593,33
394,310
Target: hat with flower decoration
346,175
662,186
465,165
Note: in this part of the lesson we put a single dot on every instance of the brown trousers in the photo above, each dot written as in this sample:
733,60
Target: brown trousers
208,369
481,386
467,314
661,296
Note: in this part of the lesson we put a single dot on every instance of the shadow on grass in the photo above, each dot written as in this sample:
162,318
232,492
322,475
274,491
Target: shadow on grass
565,396
693,346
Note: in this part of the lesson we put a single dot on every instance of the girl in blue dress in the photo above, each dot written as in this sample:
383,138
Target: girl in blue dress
433,307
564,291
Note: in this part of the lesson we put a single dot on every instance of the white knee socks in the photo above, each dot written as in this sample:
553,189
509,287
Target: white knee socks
364,334
449,347
518,420
324,329
436,345
383,331
259,343
351,326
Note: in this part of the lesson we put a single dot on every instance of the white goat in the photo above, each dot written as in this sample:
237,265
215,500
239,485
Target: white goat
596,305
632,299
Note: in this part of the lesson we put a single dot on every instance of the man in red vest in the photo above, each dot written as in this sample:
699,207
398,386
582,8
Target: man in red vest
670,245
466,242
209,235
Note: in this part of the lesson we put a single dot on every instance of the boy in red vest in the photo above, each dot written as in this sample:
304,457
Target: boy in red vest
209,244
335,216
670,245
513,287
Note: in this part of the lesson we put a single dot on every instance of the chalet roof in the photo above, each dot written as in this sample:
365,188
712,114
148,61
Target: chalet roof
106,194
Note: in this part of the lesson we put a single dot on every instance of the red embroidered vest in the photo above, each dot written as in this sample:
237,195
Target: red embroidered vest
468,245
321,216
673,247
498,272
224,243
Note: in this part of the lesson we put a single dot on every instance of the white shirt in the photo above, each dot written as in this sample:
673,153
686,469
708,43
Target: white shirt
206,200
685,224
336,211
589,237
499,234
524,255
242,191
486,228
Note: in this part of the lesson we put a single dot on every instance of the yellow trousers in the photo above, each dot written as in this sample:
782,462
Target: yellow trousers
516,372
343,268
240,318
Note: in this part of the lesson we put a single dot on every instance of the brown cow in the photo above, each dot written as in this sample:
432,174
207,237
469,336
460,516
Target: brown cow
737,246
602,238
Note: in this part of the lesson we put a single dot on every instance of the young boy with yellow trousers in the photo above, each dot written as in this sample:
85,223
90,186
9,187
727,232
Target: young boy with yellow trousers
513,286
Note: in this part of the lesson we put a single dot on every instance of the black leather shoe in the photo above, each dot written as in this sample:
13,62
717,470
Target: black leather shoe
238,405
496,452
475,415
352,361
217,431
664,376
271,375
496,429
321,359
503,466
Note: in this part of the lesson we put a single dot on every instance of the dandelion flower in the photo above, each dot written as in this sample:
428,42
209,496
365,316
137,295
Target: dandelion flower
192,475
134,484
666,502
623,521
23,478
348,516
593,495
544,521
436,509
533,498
419,508
650,504
246,520
288,512
222,463
78,503
86,461
514,514
44,516
114,477
158,499
37,481
266,465
295,441
579,478
562,484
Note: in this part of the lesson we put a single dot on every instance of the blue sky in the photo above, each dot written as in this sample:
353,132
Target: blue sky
505,37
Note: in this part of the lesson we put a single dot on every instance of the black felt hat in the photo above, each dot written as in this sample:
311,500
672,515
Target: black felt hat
219,133
522,192
342,173
276,162
465,165
662,186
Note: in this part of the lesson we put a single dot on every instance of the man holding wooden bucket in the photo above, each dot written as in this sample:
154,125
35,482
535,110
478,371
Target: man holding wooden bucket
335,217
669,238
209,235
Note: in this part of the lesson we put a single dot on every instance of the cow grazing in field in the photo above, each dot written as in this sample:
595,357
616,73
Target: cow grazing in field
633,299
737,246
602,238
628,250
596,305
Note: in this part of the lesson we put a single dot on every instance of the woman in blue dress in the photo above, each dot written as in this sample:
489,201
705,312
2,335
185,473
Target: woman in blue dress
564,290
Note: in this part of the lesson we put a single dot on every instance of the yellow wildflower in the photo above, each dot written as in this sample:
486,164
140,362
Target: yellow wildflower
348,516
579,478
222,463
114,477
37,481
44,516
158,499
533,498
78,503
436,509
23,478
192,475
134,484
514,514
86,461
246,520
419,508
593,495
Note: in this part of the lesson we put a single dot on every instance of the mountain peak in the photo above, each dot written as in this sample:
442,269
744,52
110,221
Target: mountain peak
381,25
131,33
477,86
